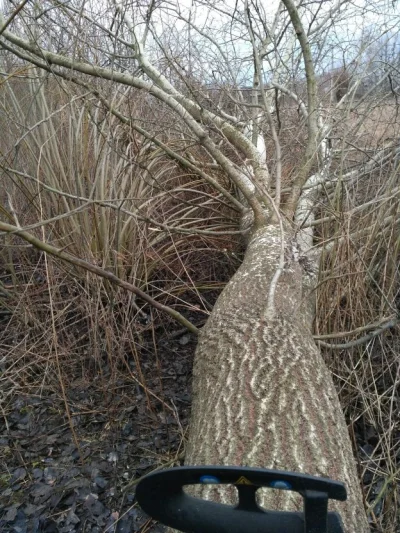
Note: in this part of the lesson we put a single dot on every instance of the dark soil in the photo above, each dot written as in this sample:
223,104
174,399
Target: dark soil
49,484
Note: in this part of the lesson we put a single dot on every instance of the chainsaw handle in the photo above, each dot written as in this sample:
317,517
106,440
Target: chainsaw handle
161,495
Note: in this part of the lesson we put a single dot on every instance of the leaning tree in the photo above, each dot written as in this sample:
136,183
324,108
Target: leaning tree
243,95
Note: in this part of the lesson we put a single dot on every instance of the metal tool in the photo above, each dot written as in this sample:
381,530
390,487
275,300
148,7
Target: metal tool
161,496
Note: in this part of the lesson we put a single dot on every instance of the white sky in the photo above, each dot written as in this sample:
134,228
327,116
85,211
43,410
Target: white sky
351,23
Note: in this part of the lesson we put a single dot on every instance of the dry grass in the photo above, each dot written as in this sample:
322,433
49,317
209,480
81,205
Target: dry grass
359,285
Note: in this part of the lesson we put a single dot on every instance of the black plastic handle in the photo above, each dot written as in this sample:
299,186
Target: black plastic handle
161,496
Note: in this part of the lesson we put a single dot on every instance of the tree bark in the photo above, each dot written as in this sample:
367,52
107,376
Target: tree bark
262,395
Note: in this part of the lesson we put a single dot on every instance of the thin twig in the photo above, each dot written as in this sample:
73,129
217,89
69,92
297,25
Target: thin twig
361,340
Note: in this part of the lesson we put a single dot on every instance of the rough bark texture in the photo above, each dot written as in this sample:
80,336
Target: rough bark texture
262,395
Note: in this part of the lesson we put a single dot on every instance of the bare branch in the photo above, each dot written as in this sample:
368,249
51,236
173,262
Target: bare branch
81,263
362,340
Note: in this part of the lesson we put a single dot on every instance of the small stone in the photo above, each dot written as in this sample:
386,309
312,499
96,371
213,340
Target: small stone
11,514
112,457
37,473
101,482
185,339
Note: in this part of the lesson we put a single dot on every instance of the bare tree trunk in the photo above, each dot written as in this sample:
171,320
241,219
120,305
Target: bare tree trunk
262,395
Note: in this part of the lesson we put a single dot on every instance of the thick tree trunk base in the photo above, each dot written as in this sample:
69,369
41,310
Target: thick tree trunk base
262,395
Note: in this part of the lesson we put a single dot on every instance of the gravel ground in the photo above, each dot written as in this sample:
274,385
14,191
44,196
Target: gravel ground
48,484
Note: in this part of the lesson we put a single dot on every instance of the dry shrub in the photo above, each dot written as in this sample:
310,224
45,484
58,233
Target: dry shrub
79,178
359,286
